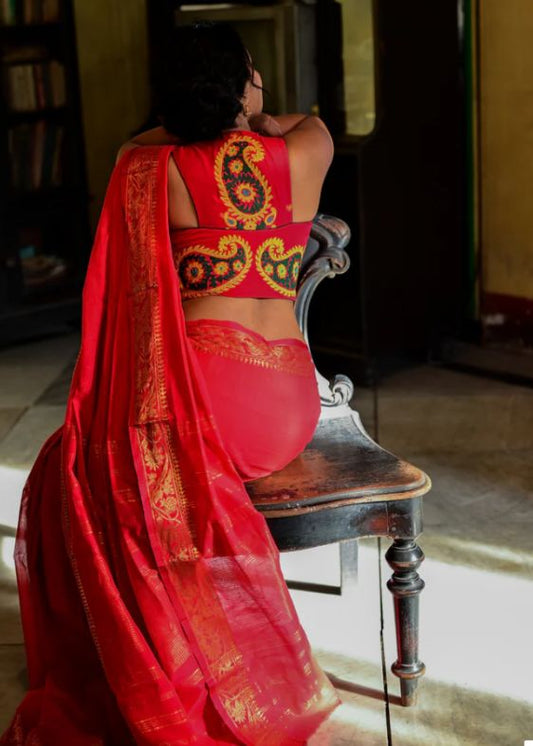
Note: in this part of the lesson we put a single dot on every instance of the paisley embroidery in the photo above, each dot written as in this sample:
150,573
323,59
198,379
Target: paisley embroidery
279,267
243,189
203,270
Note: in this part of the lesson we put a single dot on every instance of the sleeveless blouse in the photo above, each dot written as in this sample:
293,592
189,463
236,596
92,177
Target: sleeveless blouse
246,243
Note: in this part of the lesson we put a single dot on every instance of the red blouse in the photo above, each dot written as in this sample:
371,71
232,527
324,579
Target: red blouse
246,244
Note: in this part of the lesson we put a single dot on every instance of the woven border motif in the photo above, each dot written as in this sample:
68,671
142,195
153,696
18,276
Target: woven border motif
248,347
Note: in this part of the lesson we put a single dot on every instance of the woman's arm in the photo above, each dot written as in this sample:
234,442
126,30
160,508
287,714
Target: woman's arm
276,126
310,149
155,136
306,135
282,124
311,137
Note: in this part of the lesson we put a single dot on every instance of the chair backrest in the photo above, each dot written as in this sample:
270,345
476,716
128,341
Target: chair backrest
324,256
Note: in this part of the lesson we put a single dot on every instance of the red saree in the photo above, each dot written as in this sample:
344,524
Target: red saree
153,604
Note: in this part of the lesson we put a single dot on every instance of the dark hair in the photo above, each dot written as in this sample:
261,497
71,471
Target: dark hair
201,79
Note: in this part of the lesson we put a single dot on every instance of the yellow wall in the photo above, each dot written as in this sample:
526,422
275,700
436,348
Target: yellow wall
113,68
506,120
358,58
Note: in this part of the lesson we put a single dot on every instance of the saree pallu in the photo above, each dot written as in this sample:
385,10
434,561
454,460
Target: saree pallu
153,604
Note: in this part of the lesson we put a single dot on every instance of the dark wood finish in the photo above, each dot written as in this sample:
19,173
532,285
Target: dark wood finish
340,466
404,556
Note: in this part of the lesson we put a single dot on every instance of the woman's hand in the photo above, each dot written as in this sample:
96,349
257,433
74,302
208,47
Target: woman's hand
264,124
283,124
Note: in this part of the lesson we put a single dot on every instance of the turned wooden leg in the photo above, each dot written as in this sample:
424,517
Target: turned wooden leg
404,556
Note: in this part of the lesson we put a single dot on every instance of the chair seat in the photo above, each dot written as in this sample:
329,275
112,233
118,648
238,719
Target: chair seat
342,465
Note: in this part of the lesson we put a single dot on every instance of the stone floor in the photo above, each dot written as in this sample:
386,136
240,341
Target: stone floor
475,438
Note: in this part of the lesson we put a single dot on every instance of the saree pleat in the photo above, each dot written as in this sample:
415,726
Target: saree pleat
173,622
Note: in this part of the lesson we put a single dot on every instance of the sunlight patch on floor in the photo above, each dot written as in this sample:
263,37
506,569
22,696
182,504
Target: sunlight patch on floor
468,552
351,725
11,484
473,621
473,626
7,547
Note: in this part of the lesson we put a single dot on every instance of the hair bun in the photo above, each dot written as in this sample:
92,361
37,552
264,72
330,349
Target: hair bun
199,92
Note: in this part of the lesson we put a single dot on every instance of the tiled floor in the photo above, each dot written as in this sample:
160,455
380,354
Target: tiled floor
475,438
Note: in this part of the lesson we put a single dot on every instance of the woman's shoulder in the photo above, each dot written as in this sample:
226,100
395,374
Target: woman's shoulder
305,136
310,144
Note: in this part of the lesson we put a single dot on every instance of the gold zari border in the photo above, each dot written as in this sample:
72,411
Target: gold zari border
248,348
171,505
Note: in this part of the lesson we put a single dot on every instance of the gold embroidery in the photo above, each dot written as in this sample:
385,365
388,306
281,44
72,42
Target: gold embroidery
203,270
243,189
238,707
160,721
150,393
215,639
169,503
278,266
246,347
164,481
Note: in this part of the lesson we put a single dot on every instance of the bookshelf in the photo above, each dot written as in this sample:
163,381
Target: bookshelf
44,227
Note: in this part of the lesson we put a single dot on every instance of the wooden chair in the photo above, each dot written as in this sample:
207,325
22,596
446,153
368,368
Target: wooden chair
345,486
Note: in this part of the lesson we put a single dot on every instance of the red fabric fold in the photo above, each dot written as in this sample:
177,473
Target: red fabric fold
153,604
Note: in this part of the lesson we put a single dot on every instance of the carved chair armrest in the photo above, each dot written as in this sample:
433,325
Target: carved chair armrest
324,256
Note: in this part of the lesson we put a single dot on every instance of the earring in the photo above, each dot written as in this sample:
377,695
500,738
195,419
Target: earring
246,110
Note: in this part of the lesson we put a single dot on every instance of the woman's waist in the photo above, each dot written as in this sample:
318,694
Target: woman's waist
225,338
271,318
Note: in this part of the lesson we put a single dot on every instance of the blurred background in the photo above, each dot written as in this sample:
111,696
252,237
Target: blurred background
431,108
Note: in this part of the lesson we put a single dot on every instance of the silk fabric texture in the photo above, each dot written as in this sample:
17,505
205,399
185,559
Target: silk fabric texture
263,393
153,604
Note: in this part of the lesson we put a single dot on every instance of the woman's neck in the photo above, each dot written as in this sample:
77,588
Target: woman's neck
241,123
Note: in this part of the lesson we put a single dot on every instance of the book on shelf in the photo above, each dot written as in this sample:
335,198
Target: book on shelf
38,154
27,12
30,86
42,269
56,174
35,152
33,266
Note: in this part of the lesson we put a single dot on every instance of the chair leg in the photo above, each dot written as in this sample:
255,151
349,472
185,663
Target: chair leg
349,561
404,556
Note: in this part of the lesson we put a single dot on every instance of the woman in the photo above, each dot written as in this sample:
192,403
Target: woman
153,604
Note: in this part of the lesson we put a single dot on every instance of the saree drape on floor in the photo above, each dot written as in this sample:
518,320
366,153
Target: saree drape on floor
154,610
